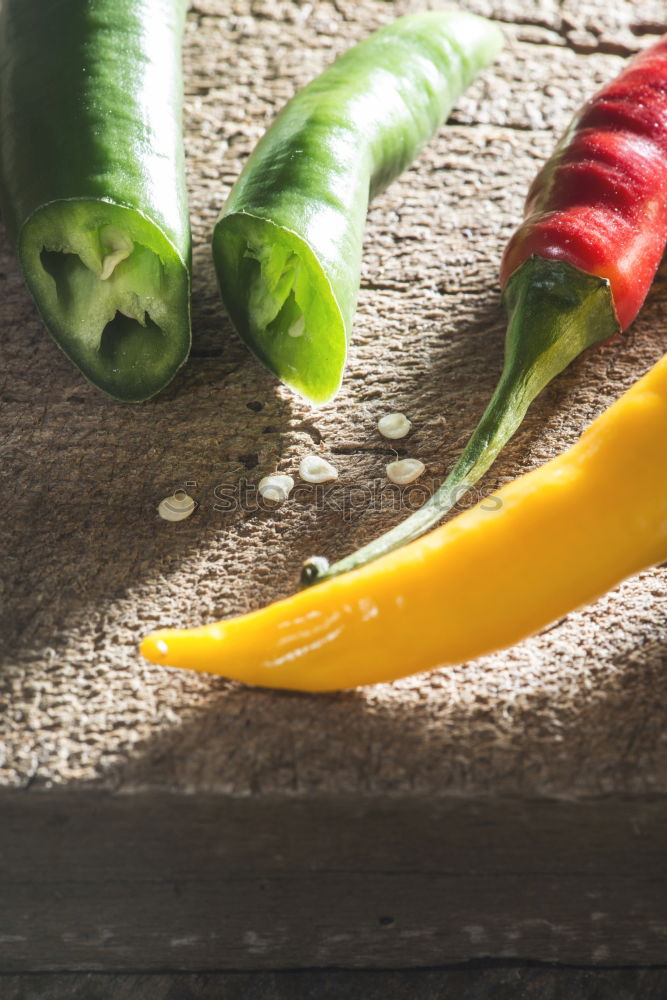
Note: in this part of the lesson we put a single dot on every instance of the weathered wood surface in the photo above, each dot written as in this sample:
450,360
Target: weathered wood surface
424,984
155,882
577,712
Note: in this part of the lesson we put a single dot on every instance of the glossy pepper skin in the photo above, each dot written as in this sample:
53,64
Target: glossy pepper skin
287,246
92,181
561,536
575,272
600,203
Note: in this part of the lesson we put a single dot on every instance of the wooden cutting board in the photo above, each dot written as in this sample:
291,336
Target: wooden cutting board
513,806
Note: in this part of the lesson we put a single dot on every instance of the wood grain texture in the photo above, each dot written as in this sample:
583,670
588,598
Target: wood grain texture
577,712
427,984
164,882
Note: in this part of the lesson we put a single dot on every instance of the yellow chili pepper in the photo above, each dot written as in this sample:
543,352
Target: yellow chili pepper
562,535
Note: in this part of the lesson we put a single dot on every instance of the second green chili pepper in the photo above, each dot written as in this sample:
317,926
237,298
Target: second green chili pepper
92,181
287,247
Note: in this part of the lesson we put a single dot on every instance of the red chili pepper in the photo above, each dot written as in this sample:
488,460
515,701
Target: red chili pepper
575,273
600,203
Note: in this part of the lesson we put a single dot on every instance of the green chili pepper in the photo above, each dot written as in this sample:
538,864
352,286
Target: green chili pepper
92,181
287,247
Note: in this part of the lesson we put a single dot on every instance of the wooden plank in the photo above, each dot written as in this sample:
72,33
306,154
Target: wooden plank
164,882
88,567
494,983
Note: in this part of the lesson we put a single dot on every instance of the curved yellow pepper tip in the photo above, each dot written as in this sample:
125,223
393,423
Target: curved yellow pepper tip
154,648
560,537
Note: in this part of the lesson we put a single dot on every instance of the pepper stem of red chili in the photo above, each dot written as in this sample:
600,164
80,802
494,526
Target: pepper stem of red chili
555,312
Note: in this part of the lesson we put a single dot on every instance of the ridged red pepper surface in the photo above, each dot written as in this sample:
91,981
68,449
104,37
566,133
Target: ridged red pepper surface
600,202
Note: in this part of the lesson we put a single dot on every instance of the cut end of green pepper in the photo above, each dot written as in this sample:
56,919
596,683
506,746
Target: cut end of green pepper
282,304
112,291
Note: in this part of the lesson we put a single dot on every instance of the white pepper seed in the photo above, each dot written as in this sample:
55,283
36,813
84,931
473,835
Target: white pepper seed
276,487
405,471
176,507
394,426
314,469
298,327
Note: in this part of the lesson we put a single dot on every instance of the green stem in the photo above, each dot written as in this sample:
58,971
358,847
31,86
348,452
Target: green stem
555,312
